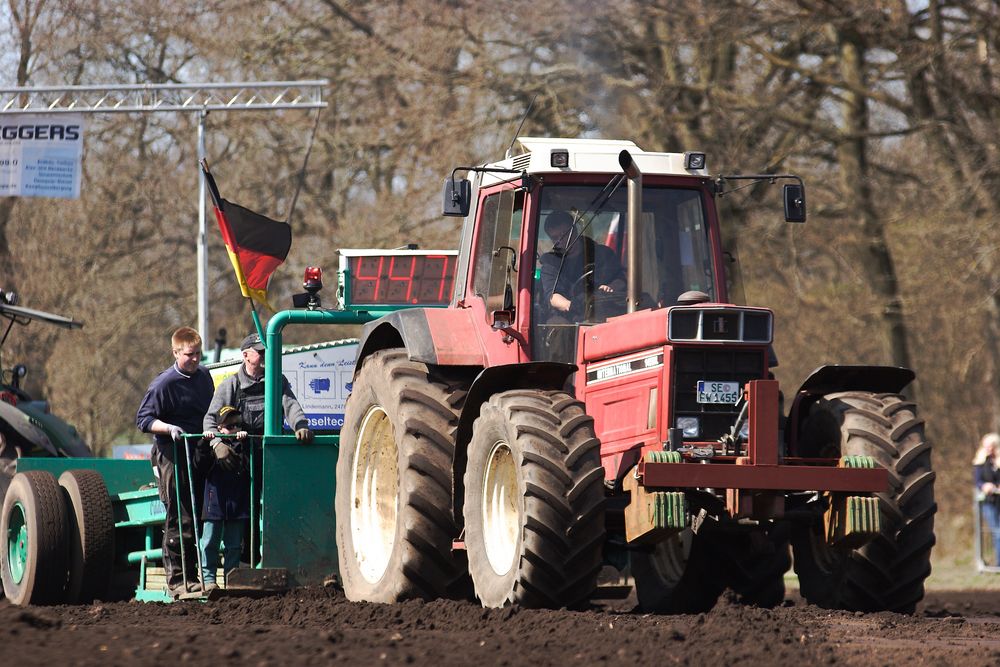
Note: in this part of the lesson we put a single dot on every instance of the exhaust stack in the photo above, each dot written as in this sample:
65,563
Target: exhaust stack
634,212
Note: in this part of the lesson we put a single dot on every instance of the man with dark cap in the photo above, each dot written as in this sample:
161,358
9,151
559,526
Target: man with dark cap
244,390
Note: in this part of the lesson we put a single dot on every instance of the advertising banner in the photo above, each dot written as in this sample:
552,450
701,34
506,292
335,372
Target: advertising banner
41,155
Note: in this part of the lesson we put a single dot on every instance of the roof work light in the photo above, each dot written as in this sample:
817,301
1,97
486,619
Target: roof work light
559,158
694,160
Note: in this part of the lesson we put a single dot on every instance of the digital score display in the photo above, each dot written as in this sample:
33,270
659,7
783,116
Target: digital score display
401,278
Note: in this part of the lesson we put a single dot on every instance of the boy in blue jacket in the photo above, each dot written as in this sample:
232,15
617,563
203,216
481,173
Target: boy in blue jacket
227,496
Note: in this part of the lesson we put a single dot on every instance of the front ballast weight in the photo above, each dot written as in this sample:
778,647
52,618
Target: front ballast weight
654,515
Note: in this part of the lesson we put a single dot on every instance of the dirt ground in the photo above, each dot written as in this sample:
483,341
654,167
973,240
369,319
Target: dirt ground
317,626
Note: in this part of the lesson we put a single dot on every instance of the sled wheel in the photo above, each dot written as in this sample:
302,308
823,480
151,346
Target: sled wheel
755,565
33,526
674,576
91,535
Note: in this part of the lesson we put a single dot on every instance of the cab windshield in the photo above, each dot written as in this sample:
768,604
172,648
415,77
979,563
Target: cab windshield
580,265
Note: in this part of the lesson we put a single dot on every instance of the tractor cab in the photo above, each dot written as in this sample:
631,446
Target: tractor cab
603,228
561,208
580,259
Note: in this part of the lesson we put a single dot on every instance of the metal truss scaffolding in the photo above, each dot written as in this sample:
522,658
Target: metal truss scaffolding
199,98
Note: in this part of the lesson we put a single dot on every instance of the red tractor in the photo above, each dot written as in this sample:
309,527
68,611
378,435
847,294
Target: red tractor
591,397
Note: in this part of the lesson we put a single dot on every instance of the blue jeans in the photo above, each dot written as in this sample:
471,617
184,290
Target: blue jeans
991,513
228,533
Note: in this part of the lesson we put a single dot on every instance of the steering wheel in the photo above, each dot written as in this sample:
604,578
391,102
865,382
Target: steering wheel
577,285
606,304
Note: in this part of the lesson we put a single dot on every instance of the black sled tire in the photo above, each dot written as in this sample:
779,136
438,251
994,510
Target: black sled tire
888,573
91,535
33,540
534,501
395,522
755,565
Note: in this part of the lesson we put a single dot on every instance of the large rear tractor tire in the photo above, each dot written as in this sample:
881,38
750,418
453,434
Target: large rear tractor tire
91,535
675,576
534,501
888,573
34,550
395,522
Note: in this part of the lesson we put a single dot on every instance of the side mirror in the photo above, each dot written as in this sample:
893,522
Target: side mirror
457,197
795,202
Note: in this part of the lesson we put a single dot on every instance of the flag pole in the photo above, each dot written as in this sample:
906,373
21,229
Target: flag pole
256,322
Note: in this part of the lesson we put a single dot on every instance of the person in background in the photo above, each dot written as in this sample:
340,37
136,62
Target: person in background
175,403
227,496
987,471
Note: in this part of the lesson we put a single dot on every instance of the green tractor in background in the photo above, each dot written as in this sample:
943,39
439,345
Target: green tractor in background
27,428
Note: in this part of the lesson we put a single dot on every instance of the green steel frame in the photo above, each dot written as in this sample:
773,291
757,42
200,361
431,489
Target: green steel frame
298,525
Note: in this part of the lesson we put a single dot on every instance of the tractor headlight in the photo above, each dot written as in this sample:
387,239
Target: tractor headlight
689,426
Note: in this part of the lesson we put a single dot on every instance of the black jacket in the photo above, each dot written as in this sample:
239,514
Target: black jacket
580,271
988,472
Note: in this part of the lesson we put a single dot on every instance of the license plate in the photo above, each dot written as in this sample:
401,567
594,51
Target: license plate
710,391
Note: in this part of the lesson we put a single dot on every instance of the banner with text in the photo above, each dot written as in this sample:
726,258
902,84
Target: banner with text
321,377
41,155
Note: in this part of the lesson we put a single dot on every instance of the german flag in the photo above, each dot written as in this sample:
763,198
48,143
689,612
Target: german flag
257,244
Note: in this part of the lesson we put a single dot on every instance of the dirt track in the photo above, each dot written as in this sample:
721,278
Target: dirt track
312,626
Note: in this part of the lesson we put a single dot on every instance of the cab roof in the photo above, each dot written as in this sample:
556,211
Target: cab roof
533,154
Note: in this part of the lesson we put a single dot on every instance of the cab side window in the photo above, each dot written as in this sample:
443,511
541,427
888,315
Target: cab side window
497,247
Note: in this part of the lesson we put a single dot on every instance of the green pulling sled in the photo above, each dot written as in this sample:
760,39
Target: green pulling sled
78,529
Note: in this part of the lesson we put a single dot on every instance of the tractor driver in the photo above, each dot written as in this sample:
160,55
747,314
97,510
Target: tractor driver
578,269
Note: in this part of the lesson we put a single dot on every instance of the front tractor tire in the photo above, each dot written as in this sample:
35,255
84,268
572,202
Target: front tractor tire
534,501
888,573
395,522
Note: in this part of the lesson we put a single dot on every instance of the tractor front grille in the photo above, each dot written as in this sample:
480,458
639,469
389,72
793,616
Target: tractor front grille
714,364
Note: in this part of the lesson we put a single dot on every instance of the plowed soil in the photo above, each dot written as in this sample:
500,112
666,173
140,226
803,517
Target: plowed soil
315,626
